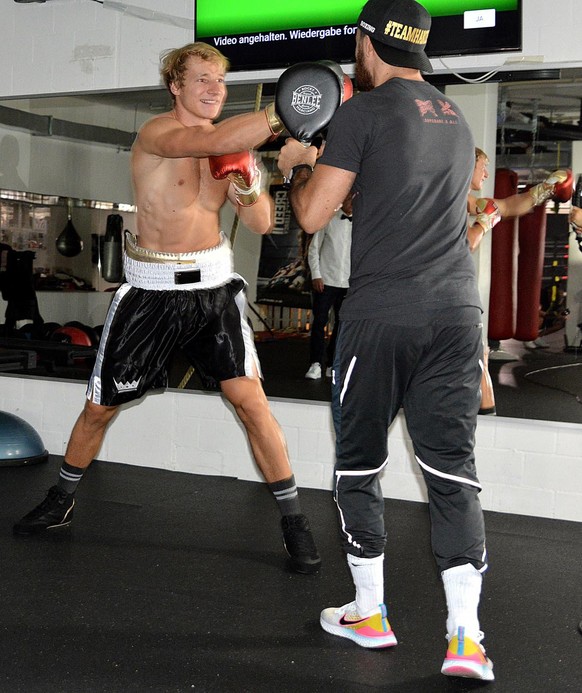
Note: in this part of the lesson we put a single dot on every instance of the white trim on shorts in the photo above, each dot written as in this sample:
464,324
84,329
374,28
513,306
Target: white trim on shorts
157,270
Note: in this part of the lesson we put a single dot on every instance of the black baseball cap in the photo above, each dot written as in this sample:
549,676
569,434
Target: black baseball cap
399,31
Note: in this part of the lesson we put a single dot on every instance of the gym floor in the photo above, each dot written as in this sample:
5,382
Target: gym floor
170,582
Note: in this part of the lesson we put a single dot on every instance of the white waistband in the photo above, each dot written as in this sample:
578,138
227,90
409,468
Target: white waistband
150,269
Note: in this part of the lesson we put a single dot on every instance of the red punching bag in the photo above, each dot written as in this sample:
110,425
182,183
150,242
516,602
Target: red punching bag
504,251
532,242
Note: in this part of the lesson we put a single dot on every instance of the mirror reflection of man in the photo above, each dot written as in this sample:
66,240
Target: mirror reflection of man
557,186
484,214
181,289
329,264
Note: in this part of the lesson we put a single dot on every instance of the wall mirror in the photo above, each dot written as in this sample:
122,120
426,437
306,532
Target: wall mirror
539,119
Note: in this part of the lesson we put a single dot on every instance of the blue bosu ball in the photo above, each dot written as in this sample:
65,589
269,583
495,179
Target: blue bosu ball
19,442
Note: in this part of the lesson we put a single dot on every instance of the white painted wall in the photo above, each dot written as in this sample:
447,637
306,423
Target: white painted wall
526,467
67,46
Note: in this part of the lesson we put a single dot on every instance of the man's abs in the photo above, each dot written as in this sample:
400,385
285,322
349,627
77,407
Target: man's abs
178,205
178,232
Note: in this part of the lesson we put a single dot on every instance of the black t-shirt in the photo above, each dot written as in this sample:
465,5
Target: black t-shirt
413,154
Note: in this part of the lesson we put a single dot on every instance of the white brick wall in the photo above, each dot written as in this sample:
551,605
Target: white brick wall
526,467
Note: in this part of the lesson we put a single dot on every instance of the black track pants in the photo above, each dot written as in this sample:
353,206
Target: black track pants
434,373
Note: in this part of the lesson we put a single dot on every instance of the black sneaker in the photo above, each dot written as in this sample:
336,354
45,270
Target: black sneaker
299,544
56,510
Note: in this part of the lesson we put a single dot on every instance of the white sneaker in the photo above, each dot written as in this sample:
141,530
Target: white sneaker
500,355
372,631
314,372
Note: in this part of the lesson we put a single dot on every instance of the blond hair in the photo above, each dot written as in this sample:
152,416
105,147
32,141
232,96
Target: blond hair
480,154
173,62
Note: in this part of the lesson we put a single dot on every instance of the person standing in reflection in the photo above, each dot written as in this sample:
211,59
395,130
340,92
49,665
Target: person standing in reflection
329,263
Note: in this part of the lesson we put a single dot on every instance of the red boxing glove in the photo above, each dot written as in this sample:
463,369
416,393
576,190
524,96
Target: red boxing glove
558,186
242,171
487,213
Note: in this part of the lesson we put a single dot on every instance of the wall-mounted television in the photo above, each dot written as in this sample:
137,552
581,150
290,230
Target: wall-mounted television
267,35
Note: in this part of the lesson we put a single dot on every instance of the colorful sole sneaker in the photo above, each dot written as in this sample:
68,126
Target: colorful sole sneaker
372,631
467,658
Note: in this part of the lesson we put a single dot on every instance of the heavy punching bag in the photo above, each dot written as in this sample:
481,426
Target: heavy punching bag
112,260
532,241
504,251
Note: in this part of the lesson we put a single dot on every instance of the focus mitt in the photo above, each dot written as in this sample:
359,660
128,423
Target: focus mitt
307,96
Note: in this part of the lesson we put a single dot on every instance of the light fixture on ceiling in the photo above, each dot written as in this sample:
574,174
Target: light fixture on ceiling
29,0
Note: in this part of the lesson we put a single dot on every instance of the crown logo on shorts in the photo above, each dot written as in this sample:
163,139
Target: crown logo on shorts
126,387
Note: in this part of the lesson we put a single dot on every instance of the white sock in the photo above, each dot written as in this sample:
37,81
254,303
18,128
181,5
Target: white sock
463,589
368,577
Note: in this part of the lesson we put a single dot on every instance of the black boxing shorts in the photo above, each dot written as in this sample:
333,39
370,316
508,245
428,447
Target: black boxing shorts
192,301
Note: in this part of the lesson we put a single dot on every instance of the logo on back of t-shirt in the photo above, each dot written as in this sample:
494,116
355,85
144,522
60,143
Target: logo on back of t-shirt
443,114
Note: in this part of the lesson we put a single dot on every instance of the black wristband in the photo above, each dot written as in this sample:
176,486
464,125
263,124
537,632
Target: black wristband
298,168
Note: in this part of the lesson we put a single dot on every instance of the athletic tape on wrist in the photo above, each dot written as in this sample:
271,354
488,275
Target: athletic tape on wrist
246,195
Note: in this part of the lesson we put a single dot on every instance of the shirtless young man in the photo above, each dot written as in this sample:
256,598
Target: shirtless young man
181,290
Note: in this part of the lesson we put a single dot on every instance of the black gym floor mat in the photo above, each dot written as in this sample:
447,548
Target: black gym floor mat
171,582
